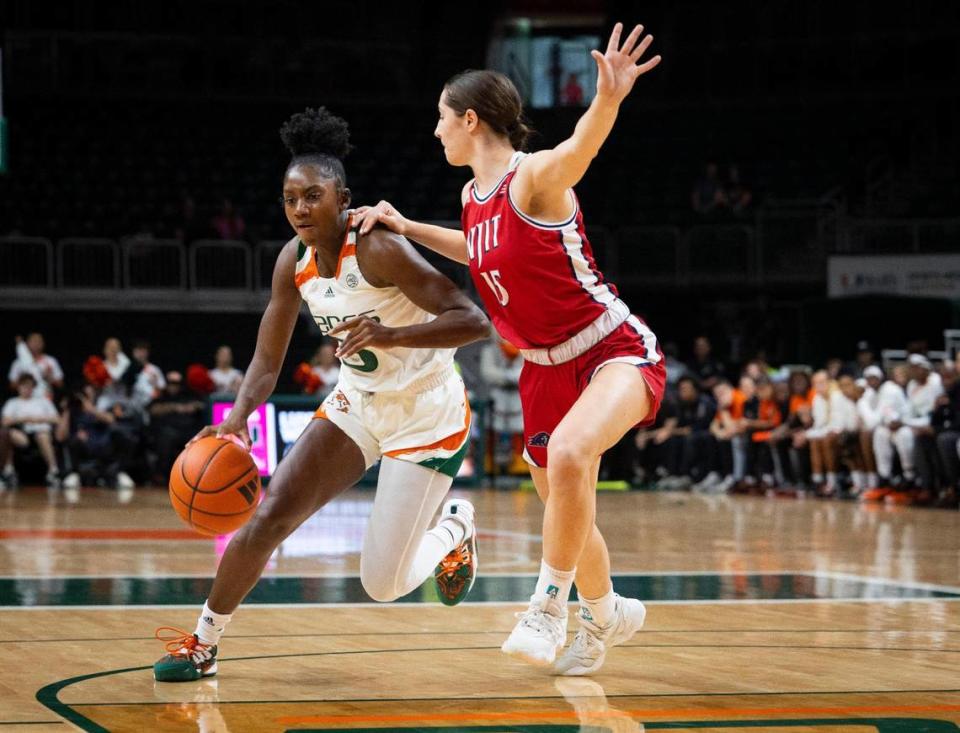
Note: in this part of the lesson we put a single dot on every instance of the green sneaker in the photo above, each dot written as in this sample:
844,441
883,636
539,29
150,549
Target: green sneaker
188,658
456,573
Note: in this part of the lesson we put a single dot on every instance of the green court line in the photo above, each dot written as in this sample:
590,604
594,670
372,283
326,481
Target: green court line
883,725
646,632
48,696
174,590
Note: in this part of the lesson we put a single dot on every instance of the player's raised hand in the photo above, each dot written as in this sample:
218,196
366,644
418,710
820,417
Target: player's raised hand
617,67
367,217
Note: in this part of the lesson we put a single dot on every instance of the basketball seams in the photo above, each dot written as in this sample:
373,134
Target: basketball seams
229,484
213,514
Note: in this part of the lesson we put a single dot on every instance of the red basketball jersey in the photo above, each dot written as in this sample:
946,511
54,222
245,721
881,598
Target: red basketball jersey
538,280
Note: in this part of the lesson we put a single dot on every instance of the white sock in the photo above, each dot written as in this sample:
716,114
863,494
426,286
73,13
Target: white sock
859,480
873,479
831,478
600,611
817,478
210,625
556,585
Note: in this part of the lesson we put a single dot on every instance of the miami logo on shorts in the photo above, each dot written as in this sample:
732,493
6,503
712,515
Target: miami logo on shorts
341,403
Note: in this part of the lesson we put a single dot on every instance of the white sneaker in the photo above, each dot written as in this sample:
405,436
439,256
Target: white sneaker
589,648
72,481
540,633
457,572
708,482
724,486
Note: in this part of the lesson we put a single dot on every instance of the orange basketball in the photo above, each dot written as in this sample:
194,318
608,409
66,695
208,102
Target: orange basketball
214,486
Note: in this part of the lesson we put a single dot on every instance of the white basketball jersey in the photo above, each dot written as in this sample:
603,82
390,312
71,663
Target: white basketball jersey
348,295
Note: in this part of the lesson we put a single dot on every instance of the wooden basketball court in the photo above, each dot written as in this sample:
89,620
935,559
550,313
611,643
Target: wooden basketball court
764,614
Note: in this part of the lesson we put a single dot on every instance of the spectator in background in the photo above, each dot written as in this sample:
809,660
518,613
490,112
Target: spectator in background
834,368
821,436
103,437
923,390
228,224
225,377
117,364
326,366
572,93
845,424
676,369
891,433
708,195
175,417
695,412
946,425
744,393
761,415
148,381
738,195
724,428
32,359
190,228
500,367
26,420
868,410
707,370
789,439
863,359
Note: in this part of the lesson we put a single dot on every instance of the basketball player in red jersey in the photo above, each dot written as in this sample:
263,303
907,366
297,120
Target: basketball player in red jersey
592,370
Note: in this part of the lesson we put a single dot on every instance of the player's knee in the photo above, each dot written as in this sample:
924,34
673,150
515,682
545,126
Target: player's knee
566,457
268,529
378,585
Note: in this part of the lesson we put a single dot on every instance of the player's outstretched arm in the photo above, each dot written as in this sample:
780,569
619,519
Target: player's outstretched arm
444,241
549,173
273,338
387,259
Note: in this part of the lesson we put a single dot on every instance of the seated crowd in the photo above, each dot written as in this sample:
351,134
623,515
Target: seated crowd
848,431
123,422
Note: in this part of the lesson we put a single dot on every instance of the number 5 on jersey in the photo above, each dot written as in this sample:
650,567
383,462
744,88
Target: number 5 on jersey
492,279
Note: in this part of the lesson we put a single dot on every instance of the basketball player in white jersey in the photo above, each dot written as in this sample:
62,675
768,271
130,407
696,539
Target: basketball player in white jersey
399,400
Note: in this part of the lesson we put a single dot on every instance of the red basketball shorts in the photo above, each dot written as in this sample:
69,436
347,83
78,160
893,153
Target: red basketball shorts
547,392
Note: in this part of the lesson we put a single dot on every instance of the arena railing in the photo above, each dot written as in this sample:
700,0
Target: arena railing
154,264
896,236
264,258
88,262
26,262
220,265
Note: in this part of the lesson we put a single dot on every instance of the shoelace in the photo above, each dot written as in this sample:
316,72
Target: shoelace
183,643
455,560
583,642
536,619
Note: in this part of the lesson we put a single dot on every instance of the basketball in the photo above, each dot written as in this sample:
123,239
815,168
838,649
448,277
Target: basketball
214,486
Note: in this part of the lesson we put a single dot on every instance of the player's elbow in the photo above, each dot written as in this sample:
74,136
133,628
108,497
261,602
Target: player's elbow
477,324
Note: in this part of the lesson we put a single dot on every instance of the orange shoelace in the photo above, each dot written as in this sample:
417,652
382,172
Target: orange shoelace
177,642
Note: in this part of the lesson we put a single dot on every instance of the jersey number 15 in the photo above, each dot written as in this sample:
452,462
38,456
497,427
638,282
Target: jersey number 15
492,279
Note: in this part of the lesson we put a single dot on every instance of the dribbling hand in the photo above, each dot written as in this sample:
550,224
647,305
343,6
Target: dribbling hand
617,68
367,217
232,426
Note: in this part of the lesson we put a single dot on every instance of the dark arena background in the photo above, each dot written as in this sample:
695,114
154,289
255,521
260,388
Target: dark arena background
779,200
